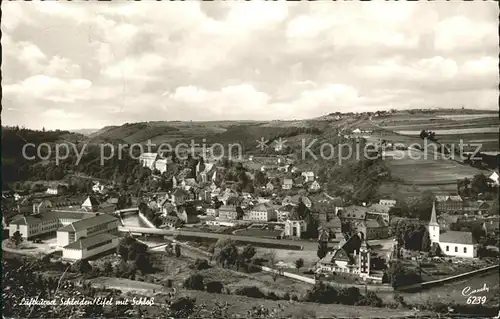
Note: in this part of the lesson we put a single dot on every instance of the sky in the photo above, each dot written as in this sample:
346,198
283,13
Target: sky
72,65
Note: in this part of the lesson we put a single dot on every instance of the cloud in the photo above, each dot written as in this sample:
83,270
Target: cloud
463,33
129,62
49,88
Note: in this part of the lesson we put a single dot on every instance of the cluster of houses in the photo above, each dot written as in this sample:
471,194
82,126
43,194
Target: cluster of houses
81,233
353,254
455,204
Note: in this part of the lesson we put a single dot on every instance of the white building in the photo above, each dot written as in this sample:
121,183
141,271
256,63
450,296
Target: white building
162,164
148,160
315,186
98,188
56,190
261,212
494,177
35,225
90,246
308,176
295,228
388,202
452,243
86,228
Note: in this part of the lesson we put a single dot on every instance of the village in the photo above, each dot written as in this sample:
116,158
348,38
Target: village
270,203
256,159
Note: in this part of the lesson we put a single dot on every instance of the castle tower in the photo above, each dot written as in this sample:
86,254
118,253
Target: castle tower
364,260
433,227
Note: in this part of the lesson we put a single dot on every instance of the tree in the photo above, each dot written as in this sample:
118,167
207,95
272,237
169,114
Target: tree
435,250
194,282
479,184
228,255
214,287
16,238
426,242
398,275
182,307
322,250
248,252
143,263
299,263
82,266
260,179
200,264
107,268
177,250
321,293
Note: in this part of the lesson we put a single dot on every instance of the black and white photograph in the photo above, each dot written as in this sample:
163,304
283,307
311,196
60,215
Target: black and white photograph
250,159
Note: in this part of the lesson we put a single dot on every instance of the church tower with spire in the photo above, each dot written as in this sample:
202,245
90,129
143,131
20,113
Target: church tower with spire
433,227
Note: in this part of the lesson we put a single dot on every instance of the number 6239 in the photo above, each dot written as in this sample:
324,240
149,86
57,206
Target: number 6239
476,300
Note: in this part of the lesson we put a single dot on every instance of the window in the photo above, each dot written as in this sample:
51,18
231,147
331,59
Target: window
465,250
447,248
456,249
99,244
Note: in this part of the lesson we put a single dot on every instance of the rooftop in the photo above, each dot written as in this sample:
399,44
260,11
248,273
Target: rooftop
89,241
88,222
50,215
458,237
90,202
354,212
454,198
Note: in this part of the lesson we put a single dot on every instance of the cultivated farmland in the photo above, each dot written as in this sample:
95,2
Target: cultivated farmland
413,171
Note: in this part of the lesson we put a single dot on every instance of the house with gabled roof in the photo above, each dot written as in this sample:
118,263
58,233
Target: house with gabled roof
270,186
91,204
387,202
187,213
179,196
315,186
287,183
494,178
261,212
476,207
452,203
308,176
351,257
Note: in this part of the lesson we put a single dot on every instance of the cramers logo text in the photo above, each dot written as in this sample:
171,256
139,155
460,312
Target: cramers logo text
468,291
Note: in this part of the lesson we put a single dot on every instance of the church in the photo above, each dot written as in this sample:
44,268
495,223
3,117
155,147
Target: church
452,243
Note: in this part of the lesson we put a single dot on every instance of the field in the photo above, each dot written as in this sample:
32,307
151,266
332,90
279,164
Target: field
414,167
289,309
449,128
413,171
